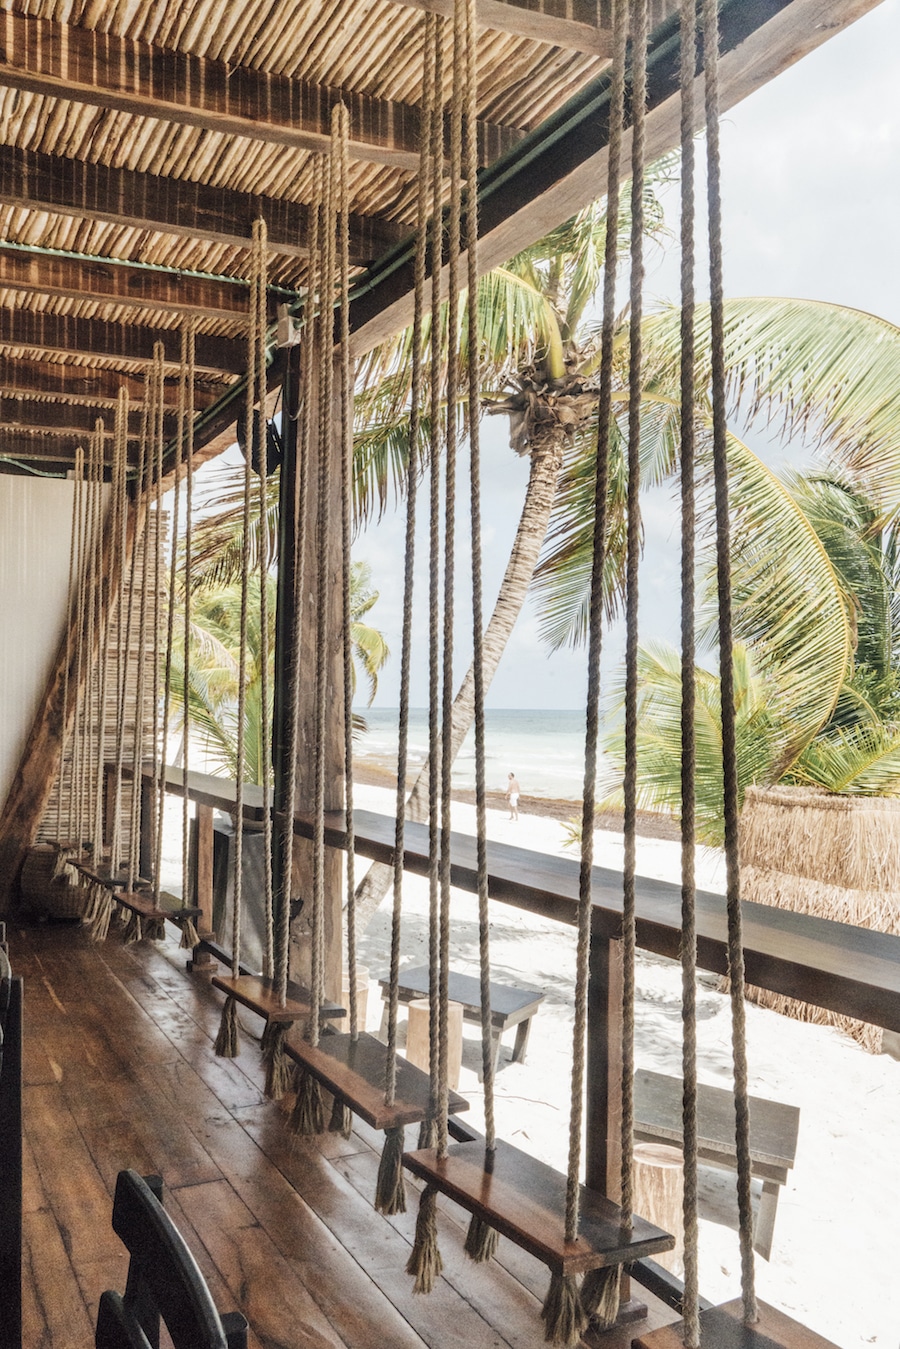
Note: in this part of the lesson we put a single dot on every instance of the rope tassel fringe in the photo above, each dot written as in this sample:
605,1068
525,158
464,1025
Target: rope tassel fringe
481,1240
227,1042
600,1296
390,1192
564,1318
341,1121
308,1114
278,1070
425,1262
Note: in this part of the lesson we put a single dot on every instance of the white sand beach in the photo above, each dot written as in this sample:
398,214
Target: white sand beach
833,1262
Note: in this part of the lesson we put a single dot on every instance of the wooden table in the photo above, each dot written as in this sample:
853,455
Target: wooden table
773,1136
509,1006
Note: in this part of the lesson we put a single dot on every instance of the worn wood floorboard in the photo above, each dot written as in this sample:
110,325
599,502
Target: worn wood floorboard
120,1072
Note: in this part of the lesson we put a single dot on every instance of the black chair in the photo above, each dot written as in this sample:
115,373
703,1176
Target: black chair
164,1283
10,1154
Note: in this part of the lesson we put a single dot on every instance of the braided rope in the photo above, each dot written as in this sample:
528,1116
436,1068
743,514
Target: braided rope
322,539
688,689
170,616
726,668
240,767
426,171
629,944
450,458
81,581
159,749
436,142
340,134
91,651
142,494
604,418
470,129
105,621
188,365
257,382
121,526
308,376
70,616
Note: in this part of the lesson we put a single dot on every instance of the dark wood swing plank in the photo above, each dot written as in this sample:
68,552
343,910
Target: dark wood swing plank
524,1199
354,1070
99,873
723,1328
259,995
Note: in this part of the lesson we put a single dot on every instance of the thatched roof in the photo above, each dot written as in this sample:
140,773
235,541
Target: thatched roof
144,137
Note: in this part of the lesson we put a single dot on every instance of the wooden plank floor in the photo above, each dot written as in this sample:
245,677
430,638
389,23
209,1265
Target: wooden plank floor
119,1072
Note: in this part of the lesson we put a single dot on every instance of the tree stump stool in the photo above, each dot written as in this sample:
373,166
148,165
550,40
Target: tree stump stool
417,1046
659,1195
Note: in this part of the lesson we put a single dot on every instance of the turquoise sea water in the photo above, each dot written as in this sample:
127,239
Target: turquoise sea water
545,749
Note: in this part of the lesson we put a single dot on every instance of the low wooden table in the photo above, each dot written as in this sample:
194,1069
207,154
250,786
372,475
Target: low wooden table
509,1006
773,1136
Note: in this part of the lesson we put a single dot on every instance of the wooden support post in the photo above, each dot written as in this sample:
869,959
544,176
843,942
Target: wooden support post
200,961
301,887
603,1104
109,804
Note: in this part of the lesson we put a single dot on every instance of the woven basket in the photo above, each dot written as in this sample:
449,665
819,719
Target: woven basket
44,895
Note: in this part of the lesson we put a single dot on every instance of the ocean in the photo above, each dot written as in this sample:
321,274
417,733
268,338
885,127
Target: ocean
545,749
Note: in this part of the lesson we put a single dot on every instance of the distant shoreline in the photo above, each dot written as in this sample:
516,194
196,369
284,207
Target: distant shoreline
651,824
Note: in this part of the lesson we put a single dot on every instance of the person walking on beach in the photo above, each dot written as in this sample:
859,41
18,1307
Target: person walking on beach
513,792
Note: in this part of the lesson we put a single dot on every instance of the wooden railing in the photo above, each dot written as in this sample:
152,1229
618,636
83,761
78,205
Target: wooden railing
845,969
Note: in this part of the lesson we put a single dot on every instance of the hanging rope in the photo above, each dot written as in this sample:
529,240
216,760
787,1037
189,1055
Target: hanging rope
390,1194
80,620
308,1113
140,560
170,620
227,1041
121,527
481,1239
71,607
691,1310
565,1316
629,944
155,928
257,423
428,1132
726,668
189,935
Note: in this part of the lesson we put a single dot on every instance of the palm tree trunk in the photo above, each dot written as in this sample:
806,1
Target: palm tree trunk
546,462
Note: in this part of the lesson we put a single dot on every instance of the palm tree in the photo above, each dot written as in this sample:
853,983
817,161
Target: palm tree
214,663
856,751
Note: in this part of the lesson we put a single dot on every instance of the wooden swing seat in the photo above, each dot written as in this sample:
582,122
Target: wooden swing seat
354,1071
259,995
141,903
723,1328
524,1200
98,873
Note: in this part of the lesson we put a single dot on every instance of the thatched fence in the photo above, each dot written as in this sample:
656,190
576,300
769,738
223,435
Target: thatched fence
836,857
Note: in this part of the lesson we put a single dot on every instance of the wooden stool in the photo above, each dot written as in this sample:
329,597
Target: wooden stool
417,1046
659,1195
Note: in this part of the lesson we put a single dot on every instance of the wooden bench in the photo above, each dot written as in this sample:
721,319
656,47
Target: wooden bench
773,1136
509,1006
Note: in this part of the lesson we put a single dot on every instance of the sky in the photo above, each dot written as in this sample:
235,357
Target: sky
811,194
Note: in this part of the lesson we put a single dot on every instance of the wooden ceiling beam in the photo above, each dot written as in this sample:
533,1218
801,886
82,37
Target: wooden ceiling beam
108,71
98,388
539,22
40,182
69,418
562,165
113,282
45,447
65,335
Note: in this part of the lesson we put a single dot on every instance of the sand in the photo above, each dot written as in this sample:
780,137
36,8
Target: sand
833,1258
